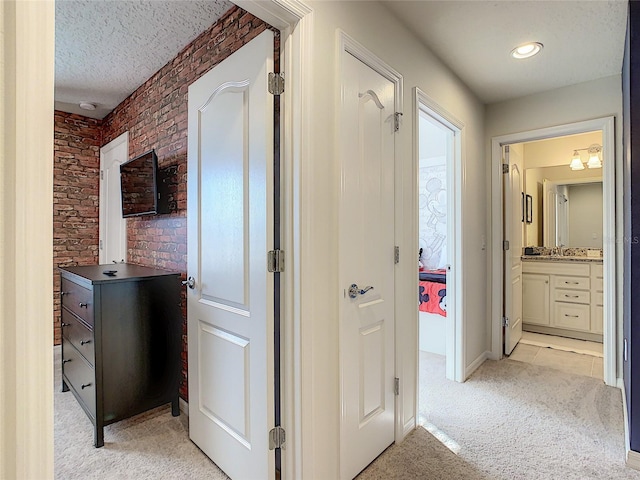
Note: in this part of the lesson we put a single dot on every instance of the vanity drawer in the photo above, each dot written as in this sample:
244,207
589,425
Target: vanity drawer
77,299
80,376
571,316
579,283
571,296
79,335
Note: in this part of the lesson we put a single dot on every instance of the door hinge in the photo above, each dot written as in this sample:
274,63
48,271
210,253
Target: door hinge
276,83
505,245
396,386
101,174
277,437
505,321
396,254
396,121
505,168
275,261
101,247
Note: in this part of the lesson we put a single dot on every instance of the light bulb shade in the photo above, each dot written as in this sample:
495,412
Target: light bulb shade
576,162
594,161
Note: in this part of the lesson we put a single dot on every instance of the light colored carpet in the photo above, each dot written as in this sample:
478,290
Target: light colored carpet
510,420
514,420
153,445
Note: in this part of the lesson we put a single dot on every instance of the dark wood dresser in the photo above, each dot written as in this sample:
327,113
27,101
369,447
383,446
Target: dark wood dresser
120,340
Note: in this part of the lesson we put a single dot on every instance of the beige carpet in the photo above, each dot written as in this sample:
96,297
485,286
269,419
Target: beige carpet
511,420
153,445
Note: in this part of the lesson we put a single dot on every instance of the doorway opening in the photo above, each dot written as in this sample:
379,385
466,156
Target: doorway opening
569,289
440,332
559,221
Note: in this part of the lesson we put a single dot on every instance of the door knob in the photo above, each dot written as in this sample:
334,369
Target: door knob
190,282
354,290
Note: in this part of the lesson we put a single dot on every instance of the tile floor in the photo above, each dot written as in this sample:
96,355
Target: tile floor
589,365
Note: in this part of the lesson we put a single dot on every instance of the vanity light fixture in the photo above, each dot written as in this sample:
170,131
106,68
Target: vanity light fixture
576,162
526,50
594,158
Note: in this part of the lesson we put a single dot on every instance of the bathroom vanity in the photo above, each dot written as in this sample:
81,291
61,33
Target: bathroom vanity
563,296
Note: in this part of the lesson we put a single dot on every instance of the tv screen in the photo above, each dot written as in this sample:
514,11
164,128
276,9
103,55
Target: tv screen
138,183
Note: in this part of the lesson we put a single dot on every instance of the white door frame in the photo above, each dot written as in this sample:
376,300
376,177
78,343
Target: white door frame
455,328
606,125
122,139
294,19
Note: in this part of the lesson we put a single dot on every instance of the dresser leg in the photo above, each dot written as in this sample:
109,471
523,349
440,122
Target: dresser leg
98,437
65,387
175,406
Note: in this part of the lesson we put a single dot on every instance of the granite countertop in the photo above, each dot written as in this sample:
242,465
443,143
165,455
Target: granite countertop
560,258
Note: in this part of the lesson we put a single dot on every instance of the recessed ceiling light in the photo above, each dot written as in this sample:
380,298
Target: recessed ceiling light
527,50
87,106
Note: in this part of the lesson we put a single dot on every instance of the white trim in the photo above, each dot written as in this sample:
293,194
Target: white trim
477,363
455,351
121,139
606,125
348,45
27,41
633,459
625,417
184,407
295,21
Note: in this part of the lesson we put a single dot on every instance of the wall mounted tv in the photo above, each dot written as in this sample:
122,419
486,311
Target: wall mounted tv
139,185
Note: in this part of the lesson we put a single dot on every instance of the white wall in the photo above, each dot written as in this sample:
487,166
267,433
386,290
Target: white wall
373,26
584,101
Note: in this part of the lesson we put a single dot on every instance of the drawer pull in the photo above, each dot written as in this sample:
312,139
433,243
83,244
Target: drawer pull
84,342
82,305
572,296
571,316
65,324
85,385
572,283
65,361
62,294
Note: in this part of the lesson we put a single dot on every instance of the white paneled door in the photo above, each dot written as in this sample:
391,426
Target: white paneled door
366,265
514,211
113,228
230,230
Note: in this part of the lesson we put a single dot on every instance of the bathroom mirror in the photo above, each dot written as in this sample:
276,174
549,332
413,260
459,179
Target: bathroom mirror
566,207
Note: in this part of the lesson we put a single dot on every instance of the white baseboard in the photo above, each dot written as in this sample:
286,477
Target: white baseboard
476,364
633,459
184,406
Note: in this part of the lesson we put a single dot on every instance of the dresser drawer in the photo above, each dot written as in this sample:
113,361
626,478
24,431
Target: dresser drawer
571,296
79,335
571,316
80,376
579,283
77,299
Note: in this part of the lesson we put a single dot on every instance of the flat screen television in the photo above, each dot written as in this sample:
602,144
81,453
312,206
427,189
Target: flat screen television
139,186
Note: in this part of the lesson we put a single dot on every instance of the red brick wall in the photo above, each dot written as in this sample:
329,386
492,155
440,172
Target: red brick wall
76,194
156,117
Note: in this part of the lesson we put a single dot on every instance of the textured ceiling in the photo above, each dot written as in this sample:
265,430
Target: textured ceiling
583,40
107,49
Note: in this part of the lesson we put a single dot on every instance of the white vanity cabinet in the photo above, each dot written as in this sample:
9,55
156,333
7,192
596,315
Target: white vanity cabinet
563,298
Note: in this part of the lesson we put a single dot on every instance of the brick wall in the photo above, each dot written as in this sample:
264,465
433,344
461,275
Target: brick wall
156,117
76,194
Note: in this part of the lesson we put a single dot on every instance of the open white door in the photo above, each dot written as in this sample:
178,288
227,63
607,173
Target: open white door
113,228
230,300
366,265
513,233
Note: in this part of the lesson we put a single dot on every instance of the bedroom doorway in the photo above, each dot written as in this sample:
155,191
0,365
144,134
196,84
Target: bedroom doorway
438,163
